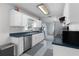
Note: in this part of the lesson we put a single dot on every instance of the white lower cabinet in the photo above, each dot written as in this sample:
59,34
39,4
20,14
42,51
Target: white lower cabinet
64,51
37,38
19,44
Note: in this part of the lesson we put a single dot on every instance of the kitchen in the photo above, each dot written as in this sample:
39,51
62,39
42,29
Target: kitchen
26,31
27,28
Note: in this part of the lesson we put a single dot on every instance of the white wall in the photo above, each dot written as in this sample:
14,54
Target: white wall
52,24
57,12
4,23
74,13
50,28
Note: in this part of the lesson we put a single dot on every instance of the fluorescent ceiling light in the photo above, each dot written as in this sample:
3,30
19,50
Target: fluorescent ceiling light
43,8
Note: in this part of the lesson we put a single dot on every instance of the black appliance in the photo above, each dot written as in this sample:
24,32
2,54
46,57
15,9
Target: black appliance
62,19
7,50
71,37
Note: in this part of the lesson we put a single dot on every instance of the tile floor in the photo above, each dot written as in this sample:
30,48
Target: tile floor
42,49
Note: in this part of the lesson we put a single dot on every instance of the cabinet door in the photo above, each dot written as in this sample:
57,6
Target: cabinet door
12,17
15,18
19,44
25,20
37,23
41,36
37,38
34,40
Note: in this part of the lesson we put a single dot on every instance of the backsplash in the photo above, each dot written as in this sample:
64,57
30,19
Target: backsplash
16,29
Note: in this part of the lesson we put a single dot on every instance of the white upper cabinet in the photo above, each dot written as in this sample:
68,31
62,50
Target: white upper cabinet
37,23
20,19
25,20
15,18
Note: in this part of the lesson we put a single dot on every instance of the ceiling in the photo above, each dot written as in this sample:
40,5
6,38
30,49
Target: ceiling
55,9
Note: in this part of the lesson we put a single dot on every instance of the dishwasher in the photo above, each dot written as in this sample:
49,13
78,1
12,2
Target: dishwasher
27,43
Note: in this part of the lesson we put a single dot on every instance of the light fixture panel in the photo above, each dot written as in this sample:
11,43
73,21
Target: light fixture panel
43,8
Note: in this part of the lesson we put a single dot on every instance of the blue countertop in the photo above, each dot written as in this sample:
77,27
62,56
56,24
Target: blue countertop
60,43
23,34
